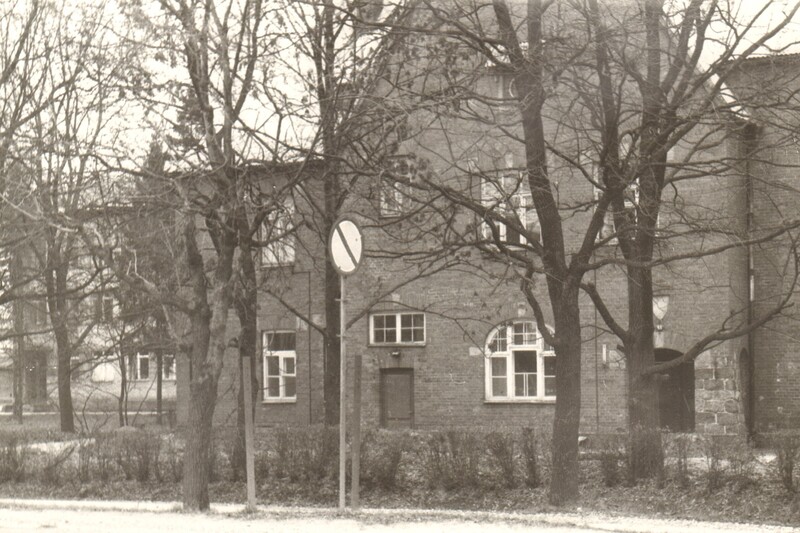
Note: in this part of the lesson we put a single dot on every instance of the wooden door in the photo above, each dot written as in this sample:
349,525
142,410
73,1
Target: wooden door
397,398
676,394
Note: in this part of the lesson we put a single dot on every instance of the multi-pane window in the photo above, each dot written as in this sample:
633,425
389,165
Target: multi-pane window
630,199
280,372
630,204
277,234
104,304
520,365
508,196
397,328
395,194
140,366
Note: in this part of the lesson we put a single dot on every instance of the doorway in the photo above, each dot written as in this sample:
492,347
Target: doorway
397,398
676,394
36,375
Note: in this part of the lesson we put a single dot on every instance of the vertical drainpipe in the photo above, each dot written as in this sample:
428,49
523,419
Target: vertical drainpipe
308,342
596,369
749,145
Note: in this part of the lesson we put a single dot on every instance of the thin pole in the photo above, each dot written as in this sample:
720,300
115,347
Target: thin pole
249,436
356,462
342,401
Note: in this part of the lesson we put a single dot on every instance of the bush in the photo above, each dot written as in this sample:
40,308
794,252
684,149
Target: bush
304,454
610,453
609,467
381,455
787,451
501,448
86,452
681,444
261,465
14,457
104,456
54,463
740,463
713,453
530,456
137,453
645,454
450,459
171,463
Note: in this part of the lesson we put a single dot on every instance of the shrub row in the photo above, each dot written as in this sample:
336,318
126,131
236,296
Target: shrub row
449,460
127,454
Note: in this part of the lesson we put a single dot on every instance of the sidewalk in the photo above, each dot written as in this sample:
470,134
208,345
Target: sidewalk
311,519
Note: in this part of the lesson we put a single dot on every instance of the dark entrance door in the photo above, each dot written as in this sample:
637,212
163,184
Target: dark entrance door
676,394
36,375
397,398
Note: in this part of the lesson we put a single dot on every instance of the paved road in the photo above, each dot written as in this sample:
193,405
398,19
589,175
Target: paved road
150,517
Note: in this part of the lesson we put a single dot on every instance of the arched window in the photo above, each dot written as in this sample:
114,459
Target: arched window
520,365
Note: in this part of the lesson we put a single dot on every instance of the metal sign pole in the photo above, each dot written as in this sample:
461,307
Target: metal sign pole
342,400
355,477
345,248
249,436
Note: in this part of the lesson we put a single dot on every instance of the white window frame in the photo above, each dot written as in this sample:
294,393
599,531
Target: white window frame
497,195
284,356
511,343
136,368
281,250
398,328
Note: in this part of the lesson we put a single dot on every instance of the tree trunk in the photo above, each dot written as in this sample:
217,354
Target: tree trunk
564,478
159,384
63,357
19,330
646,452
246,304
208,333
122,404
196,461
332,352
56,285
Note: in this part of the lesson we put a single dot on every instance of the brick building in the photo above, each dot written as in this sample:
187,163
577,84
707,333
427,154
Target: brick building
459,347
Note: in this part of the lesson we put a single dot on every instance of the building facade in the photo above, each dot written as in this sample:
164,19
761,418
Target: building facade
459,347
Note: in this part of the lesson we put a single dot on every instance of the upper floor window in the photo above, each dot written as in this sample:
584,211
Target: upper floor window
397,328
520,365
104,305
277,232
396,194
630,205
280,372
510,198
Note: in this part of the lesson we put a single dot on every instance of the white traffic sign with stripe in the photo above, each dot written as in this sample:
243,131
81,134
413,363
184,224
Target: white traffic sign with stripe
346,246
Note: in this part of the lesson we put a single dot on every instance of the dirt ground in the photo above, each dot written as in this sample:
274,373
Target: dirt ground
156,517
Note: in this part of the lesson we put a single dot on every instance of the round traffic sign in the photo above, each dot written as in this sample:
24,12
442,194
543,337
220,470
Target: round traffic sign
345,246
